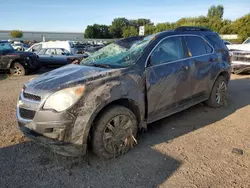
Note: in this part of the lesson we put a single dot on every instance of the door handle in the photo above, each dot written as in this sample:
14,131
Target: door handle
184,68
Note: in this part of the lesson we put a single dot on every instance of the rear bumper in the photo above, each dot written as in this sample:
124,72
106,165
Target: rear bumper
63,148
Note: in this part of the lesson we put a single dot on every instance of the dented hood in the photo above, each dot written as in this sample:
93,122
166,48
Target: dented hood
67,76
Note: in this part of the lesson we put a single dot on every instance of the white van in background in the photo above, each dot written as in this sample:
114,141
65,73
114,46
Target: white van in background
68,45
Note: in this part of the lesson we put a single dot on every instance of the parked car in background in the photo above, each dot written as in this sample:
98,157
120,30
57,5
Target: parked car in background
18,63
80,48
20,46
245,46
58,56
91,49
68,45
227,43
240,61
121,88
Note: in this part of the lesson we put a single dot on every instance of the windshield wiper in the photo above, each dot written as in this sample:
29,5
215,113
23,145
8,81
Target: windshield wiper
100,65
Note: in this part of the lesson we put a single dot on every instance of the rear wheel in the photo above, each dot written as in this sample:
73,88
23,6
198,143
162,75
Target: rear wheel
219,95
115,132
17,69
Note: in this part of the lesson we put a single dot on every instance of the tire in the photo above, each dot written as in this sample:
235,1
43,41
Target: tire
76,61
17,69
218,96
111,139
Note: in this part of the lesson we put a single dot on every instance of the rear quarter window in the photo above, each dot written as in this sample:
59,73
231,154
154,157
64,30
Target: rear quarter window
216,41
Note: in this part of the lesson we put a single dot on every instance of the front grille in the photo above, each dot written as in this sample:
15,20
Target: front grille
31,97
241,56
27,114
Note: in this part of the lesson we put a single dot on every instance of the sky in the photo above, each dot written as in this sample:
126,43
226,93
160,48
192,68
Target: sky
75,15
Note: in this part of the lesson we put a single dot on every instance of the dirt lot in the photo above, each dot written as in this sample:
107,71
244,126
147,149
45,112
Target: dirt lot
190,149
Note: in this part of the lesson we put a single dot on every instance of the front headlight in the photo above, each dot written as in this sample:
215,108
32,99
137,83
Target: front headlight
63,99
27,58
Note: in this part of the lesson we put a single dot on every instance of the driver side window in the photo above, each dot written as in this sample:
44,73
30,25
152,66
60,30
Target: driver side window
168,50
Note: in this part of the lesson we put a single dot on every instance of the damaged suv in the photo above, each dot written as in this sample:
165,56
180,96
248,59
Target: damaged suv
116,91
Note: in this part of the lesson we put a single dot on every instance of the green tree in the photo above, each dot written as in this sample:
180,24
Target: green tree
140,22
129,31
97,31
89,32
162,27
143,22
116,29
16,34
227,27
215,12
149,29
241,26
104,32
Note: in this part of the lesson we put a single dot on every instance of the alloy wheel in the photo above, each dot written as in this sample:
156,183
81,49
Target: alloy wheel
221,92
118,135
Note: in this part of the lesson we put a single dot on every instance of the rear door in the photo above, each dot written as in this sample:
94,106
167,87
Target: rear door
201,62
167,78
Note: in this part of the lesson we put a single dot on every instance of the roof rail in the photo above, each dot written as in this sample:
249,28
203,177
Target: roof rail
191,28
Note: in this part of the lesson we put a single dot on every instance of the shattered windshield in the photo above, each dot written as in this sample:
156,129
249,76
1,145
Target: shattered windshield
247,41
115,55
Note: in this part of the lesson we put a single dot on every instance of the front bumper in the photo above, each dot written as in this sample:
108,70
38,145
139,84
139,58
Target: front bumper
240,66
49,128
63,148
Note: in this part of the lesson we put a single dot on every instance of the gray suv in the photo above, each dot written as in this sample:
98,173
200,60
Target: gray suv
121,88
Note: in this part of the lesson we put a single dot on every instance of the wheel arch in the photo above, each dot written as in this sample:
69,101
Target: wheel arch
12,61
222,73
125,102
225,74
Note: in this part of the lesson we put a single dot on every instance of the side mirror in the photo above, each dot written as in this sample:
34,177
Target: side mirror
63,53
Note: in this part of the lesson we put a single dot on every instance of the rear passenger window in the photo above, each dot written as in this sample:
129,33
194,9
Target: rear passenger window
196,46
170,49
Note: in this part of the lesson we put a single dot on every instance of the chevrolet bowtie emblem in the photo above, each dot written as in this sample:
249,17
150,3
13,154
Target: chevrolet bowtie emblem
21,104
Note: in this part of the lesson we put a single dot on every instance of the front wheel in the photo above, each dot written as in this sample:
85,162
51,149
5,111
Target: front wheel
218,96
114,132
17,69
76,61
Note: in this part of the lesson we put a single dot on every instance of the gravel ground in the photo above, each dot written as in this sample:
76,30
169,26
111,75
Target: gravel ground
190,149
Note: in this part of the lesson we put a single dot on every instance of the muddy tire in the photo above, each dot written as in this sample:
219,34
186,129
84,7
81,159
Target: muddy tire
17,69
114,132
218,96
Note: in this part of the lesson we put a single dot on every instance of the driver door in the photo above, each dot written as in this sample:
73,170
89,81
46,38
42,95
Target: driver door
167,79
